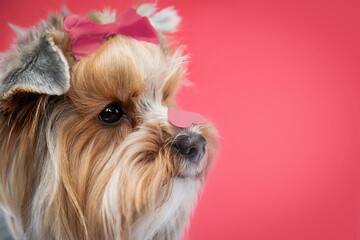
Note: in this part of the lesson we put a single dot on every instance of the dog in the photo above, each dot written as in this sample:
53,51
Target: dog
92,143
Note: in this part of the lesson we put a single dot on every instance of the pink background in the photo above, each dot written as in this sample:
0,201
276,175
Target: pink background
281,81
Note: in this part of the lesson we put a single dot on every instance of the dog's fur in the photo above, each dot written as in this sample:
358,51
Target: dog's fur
66,175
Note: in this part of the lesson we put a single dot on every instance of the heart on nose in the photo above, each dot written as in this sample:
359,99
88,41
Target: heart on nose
184,119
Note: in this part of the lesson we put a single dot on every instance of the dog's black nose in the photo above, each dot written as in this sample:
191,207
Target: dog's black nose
192,147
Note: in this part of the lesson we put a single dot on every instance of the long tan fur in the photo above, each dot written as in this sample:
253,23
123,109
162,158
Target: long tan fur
65,175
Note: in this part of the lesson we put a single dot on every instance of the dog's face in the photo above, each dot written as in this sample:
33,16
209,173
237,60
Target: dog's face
122,92
101,158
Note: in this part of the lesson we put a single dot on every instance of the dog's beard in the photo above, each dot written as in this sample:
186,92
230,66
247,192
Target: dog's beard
137,186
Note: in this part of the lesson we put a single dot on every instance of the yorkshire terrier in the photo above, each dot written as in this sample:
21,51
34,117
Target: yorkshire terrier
92,145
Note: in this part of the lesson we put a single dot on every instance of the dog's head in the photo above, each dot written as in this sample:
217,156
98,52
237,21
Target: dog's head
88,149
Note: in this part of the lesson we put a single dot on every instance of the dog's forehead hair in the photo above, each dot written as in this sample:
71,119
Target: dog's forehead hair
121,69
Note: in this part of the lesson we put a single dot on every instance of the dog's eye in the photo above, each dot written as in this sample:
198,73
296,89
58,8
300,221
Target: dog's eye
112,114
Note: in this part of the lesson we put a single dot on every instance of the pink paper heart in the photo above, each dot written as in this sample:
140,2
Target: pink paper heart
184,119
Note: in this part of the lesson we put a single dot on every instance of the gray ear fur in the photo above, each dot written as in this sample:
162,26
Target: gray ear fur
37,65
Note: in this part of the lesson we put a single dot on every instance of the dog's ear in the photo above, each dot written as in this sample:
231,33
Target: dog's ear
165,21
36,65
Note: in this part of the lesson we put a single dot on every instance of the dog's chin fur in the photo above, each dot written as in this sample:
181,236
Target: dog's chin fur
66,175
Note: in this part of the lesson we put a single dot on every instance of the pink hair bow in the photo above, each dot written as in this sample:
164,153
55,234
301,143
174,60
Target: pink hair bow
87,36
